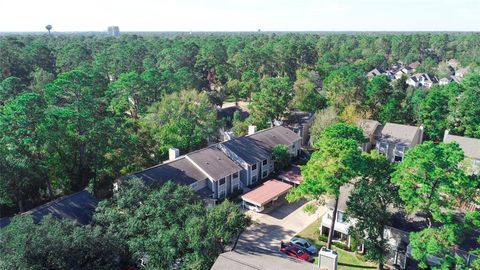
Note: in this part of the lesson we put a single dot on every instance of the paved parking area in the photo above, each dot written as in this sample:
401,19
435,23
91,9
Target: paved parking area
279,224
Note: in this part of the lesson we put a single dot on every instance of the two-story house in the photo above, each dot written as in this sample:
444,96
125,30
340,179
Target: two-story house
208,171
395,139
471,149
254,151
342,225
221,169
422,79
223,174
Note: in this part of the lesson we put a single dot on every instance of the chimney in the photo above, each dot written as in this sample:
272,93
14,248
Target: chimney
421,134
447,132
252,129
173,154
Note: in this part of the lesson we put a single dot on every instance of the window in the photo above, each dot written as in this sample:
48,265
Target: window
264,162
340,217
383,145
399,148
254,179
221,195
222,181
264,174
235,175
254,167
398,158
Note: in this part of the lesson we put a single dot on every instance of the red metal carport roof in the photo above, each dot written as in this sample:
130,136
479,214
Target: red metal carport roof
293,175
264,194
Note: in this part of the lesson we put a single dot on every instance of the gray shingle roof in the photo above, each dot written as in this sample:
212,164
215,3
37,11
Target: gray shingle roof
214,162
470,146
275,135
370,127
397,133
248,149
257,147
78,207
181,171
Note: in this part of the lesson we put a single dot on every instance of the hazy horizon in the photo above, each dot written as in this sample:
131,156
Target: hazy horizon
242,16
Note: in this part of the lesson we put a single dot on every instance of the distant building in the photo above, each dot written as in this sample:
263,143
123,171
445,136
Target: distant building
113,31
471,149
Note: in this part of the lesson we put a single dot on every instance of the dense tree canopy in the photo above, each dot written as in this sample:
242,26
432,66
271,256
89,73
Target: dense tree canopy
183,120
169,225
91,97
431,181
370,205
57,244
336,162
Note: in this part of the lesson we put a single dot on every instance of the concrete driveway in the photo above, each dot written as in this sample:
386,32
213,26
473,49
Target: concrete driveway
279,224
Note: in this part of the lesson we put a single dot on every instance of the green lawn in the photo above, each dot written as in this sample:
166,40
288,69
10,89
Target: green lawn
346,260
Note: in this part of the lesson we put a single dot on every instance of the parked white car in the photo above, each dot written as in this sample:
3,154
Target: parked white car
253,207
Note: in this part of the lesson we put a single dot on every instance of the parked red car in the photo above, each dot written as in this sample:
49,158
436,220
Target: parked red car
295,252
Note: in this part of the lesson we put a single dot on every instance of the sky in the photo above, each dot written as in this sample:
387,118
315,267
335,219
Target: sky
240,15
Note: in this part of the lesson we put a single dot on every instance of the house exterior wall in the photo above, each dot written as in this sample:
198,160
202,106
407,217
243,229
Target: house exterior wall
245,174
228,187
222,189
255,173
341,227
393,150
199,185
412,82
472,165
267,168
235,182
295,147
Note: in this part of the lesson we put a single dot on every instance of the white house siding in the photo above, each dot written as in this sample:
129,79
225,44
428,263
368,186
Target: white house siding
254,173
245,174
391,149
213,187
222,189
235,183
266,169
295,147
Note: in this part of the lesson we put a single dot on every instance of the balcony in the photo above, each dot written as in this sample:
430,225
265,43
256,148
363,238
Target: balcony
339,226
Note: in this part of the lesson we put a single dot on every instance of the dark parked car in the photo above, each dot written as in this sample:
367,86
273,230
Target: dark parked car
302,243
294,251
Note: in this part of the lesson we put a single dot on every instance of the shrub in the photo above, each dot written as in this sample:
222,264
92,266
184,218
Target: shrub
323,238
236,192
310,208
354,244
341,245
